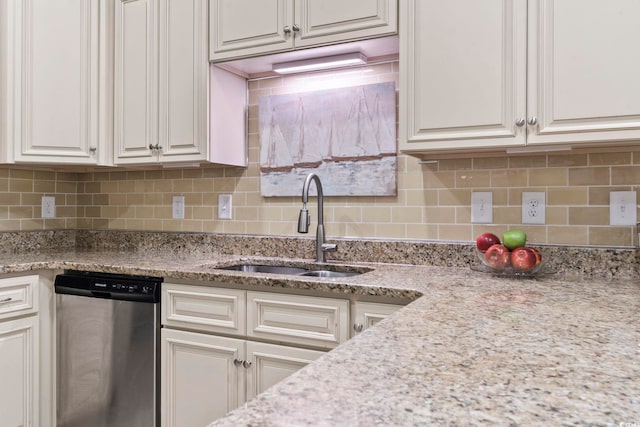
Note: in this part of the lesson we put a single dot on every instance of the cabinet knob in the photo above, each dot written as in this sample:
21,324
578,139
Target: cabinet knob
93,149
520,122
246,364
533,120
237,362
155,147
286,29
358,327
296,28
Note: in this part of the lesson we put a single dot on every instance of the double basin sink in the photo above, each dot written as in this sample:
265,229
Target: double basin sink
297,270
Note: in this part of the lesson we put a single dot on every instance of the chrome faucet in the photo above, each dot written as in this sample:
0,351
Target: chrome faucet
304,221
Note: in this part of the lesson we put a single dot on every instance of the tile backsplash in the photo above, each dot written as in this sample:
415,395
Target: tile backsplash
433,200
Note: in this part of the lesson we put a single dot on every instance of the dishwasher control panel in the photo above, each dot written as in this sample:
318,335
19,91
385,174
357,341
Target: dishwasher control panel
107,285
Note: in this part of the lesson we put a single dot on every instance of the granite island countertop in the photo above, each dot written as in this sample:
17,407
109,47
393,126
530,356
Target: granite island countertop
471,349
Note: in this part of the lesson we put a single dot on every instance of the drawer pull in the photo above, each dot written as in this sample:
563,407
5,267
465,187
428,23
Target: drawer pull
8,299
358,327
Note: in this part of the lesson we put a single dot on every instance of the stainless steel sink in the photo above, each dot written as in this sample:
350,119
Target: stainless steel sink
310,271
273,269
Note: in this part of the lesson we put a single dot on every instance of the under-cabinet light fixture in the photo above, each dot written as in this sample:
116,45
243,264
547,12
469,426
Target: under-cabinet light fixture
326,62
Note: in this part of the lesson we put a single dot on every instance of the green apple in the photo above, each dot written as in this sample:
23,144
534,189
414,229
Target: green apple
514,238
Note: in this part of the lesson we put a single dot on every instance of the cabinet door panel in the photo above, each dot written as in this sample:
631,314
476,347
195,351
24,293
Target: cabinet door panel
330,21
183,74
463,74
574,90
55,49
248,27
19,372
272,363
135,97
200,381
366,314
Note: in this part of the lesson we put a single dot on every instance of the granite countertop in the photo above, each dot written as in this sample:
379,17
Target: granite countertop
471,349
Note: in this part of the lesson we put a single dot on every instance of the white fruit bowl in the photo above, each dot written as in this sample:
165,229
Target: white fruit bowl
509,270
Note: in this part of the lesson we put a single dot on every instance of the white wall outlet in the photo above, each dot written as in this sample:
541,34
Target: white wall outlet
622,208
482,207
533,207
224,206
177,210
48,207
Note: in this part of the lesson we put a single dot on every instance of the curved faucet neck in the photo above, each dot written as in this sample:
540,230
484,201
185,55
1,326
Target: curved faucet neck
305,195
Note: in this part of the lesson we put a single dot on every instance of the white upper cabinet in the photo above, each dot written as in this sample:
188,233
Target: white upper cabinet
161,111
55,80
242,28
495,74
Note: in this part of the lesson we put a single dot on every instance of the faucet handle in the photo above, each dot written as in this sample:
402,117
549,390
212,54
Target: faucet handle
329,247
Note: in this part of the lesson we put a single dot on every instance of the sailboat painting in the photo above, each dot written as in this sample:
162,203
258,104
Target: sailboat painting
346,136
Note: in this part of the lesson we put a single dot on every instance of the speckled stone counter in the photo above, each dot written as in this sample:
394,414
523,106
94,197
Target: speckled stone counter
471,349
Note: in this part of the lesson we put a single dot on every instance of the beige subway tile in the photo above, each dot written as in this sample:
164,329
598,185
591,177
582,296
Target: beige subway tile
4,172
557,215
474,178
344,214
507,214
608,159
21,212
463,214
182,186
10,225
406,214
4,184
92,211
392,231
153,224
119,199
491,162
568,160
528,161
20,185
66,187
36,224
509,178
40,186
376,214
172,225
144,212
548,177
589,176
225,185
611,236
410,181
193,199
257,227
21,174
439,215
134,199
458,232
568,196
588,215
192,226
144,186
160,212
202,213
270,213
600,195
636,157
172,174
236,227
422,231
568,235
360,230
192,173
454,164
8,199
454,197
65,211
54,224
625,175
249,184
126,212
244,213
439,179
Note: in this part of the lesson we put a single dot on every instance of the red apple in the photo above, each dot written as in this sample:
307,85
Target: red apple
485,240
497,257
538,255
524,258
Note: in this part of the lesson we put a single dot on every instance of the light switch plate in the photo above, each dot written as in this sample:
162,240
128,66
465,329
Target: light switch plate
622,208
533,207
482,207
224,206
48,207
178,207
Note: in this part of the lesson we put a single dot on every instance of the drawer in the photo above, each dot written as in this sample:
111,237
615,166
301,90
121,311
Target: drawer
204,308
18,296
366,314
313,321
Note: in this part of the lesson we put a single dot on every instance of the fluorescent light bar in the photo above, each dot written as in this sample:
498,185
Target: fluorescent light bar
323,63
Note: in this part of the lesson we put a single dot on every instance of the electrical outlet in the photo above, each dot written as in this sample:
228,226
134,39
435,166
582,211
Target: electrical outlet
482,207
224,206
533,207
48,207
622,208
178,207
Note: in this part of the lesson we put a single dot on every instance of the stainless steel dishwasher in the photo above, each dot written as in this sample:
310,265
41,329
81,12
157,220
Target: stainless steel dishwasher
107,348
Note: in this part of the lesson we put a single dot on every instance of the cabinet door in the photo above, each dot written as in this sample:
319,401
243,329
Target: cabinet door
199,379
135,85
249,27
462,74
366,314
183,74
19,372
584,64
333,21
272,363
53,52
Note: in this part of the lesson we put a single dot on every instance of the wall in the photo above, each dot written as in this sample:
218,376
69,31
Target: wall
432,202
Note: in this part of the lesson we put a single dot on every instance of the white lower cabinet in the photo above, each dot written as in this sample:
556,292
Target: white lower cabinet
19,352
366,314
204,376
